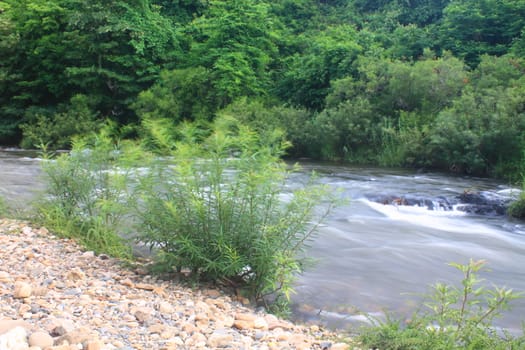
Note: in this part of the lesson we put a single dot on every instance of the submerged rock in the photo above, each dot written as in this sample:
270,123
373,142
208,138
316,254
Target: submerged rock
478,203
482,204
438,203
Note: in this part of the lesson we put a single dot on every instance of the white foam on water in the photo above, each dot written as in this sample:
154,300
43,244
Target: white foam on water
367,318
435,219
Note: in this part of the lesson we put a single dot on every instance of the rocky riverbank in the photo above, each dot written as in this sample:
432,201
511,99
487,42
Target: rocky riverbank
55,296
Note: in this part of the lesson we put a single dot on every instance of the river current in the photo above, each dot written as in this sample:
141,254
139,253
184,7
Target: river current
374,258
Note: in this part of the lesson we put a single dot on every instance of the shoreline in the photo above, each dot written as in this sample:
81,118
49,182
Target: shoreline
55,293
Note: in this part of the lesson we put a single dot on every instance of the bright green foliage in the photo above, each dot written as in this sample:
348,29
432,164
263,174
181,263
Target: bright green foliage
265,119
457,318
235,43
329,56
518,45
418,92
87,194
366,80
410,41
180,94
475,27
119,51
426,86
107,52
215,203
215,207
388,109
297,15
483,131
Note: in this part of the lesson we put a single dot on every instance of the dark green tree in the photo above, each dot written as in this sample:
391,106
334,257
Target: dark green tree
181,11
108,52
421,12
32,62
121,48
472,28
234,42
8,43
483,131
328,55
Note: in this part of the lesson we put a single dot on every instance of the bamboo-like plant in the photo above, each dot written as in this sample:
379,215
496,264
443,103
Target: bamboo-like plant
87,195
215,206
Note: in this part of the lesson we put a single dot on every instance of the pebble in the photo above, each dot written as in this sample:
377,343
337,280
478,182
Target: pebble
40,339
55,296
22,290
14,339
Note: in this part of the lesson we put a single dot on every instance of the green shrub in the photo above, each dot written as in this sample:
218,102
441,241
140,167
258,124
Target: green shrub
215,207
341,132
215,203
58,128
457,318
482,131
517,208
265,118
86,195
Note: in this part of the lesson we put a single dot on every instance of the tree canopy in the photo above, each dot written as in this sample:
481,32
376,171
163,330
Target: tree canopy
385,82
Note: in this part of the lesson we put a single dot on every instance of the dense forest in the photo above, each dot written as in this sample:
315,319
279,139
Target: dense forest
420,83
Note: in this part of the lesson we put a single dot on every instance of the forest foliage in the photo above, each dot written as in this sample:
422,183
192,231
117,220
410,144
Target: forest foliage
420,83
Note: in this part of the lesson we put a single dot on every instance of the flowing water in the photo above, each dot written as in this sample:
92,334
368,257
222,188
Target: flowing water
19,177
373,257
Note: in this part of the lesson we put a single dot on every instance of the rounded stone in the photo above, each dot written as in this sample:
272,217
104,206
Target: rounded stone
240,324
93,345
22,290
4,276
220,339
260,323
14,339
40,339
166,308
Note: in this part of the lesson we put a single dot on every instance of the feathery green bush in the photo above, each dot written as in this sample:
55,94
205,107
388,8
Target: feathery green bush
87,193
214,201
215,206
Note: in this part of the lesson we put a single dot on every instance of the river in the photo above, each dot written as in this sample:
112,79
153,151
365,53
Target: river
373,257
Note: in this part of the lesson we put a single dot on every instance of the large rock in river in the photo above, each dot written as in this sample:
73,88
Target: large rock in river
482,204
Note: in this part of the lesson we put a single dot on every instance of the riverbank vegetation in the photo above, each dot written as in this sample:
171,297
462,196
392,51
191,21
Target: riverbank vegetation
427,84
451,317
211,202
206,200
215,87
